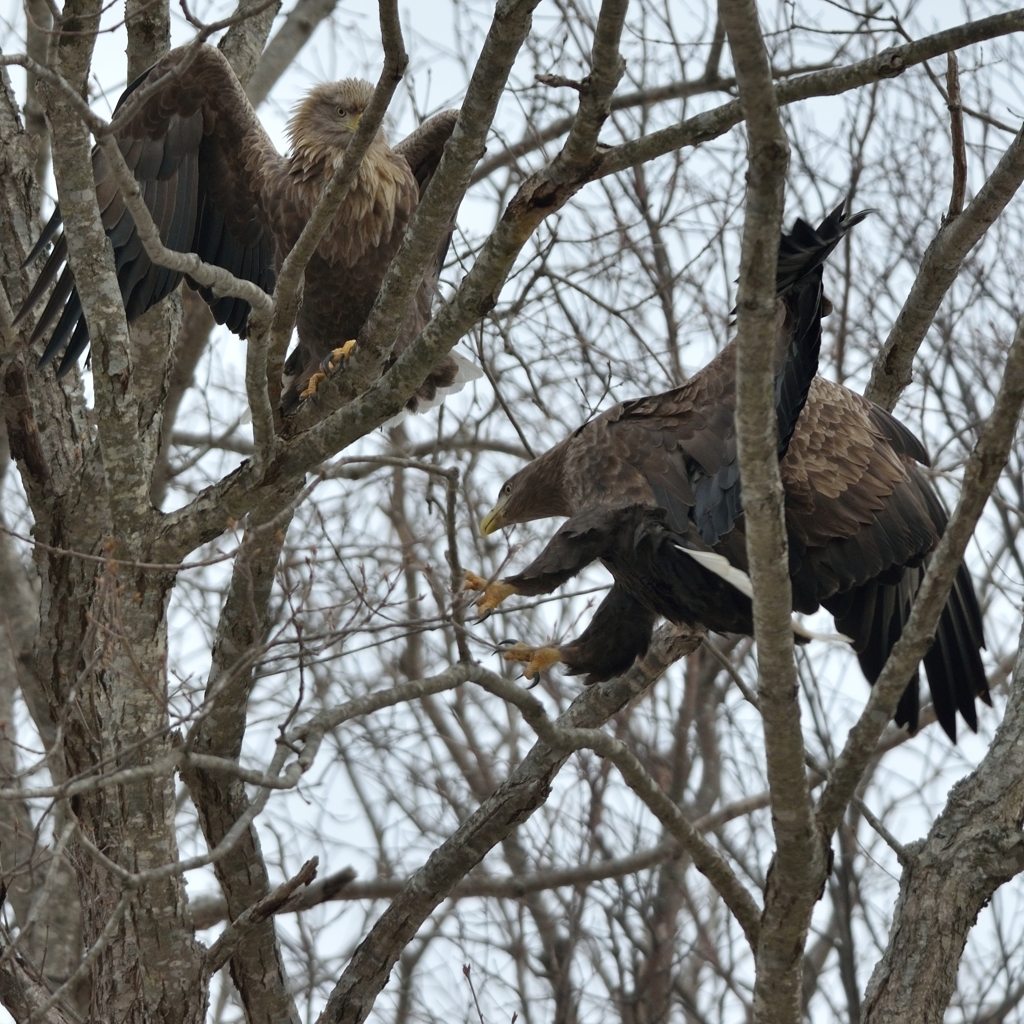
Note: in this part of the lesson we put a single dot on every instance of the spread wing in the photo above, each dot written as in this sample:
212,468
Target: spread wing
863,519
856,502
202,161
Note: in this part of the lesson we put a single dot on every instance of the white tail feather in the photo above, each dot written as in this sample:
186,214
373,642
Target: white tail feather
721,566
467,372
809,634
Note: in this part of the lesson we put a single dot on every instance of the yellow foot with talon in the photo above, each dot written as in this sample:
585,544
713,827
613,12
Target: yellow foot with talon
314,382
493,593
470,581
536,659
329,364
340,355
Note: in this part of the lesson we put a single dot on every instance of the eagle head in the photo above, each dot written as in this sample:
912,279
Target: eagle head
536,492
324,123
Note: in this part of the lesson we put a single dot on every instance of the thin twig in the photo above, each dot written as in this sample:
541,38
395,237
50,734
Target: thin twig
230,939
956,131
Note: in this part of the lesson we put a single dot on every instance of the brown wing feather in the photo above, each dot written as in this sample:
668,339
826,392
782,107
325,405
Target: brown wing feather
201,158
841,471
650,449
422,150
422,147
863,519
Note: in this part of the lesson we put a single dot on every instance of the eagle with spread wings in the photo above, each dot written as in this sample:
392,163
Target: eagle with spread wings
216,186
652,489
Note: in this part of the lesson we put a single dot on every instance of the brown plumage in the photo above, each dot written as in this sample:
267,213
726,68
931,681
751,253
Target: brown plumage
216,186
651,488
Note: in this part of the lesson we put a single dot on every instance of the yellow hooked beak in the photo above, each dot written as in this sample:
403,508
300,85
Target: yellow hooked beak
493,520
352,122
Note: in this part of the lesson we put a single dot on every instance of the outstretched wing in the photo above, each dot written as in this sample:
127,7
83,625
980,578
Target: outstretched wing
202,161
863,519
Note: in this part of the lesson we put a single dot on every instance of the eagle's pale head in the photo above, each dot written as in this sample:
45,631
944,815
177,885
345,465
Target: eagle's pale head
324,123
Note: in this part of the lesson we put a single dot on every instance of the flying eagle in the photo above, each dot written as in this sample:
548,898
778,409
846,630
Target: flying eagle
651,488
216,186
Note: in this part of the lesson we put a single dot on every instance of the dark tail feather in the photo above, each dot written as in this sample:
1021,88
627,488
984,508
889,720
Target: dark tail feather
802,253
875,614
805,249
956,674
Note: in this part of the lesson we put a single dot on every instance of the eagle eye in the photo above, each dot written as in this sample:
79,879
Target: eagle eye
342,112
507,490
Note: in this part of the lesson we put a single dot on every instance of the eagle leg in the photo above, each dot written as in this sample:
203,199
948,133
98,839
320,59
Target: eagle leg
493,593
330,363
537,659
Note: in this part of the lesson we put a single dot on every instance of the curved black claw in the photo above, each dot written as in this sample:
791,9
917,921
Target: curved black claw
509,642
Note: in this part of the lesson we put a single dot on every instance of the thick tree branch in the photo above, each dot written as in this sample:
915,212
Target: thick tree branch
257,967
299,25
888,64
973,847
248,28
148,24
939,269
798,869
538,138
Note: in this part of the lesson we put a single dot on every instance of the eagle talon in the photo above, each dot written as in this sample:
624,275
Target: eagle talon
470,581
314,382
536,659
338,356
493,593
328,365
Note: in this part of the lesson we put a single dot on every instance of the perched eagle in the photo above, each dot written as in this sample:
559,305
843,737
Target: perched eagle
216,186
651,488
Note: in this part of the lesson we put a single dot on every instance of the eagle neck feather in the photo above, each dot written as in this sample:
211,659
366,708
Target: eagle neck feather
539,489
383,189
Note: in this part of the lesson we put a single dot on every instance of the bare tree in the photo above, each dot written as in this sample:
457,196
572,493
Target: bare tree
260,761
